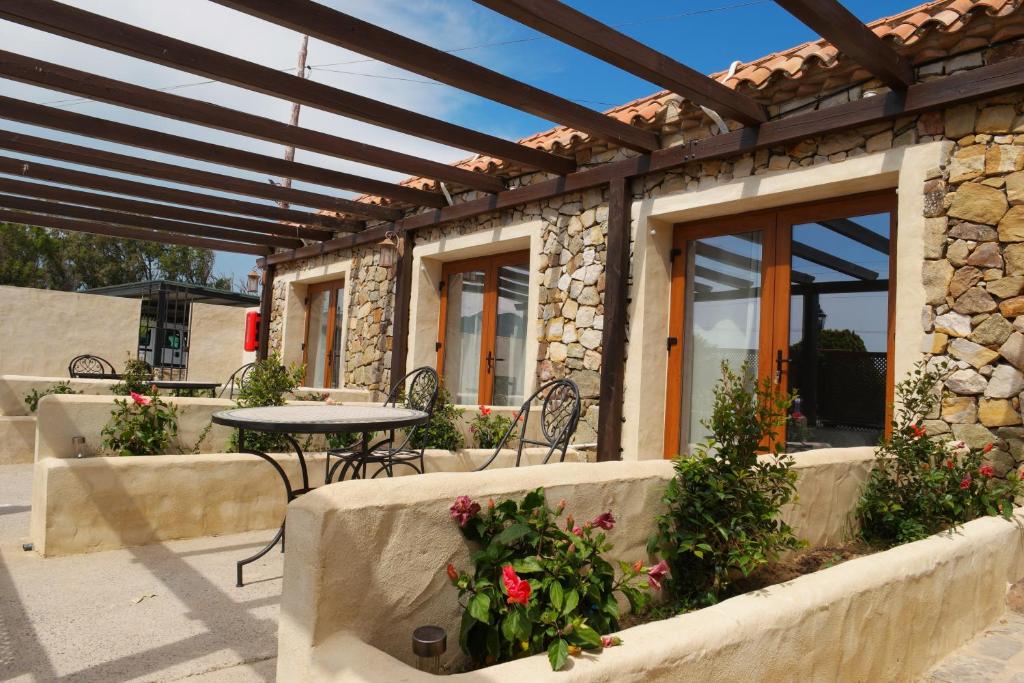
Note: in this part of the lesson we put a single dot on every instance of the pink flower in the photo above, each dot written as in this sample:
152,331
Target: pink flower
604,521
518,590
140,399
986,471
966,483
485,411
656,573
610,641
561,504
464,509
578,531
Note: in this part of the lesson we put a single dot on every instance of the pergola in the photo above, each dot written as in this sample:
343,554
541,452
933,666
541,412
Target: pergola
280,235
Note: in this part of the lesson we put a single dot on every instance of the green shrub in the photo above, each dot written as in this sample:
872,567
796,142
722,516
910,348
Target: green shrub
723,502
137,378
487,428
442,431
32,397
567,598
920,486
267,383
145,425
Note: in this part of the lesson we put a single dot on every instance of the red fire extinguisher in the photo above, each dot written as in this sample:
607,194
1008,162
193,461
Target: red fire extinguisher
252,330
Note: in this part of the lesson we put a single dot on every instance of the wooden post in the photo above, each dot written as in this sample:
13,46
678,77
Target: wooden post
266,306
400,324
613,338
300,71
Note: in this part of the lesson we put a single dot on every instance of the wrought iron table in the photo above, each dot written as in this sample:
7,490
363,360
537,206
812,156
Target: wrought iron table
179,385
308,419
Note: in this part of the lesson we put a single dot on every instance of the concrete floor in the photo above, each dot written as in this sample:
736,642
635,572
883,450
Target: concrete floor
157,613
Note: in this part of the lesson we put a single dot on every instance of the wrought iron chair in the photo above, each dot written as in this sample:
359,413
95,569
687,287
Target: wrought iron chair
395,448
235,381
559,416
91,367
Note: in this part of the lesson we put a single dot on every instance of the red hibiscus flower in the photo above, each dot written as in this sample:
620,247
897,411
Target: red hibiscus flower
453,575
610,641
986,471
604,521
140,399
949,464
917,431
518,590
464,509
485,411
966,483
656,574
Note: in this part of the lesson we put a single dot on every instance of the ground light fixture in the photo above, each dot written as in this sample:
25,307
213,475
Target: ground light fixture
428,644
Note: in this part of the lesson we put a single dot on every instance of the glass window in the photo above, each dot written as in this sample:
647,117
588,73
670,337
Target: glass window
325,317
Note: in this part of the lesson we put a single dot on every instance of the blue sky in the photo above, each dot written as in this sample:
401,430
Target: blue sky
705,34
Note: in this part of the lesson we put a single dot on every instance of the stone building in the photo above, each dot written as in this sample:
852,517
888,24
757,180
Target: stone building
832,264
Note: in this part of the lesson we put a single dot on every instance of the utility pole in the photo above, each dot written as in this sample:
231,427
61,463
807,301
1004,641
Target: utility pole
300,71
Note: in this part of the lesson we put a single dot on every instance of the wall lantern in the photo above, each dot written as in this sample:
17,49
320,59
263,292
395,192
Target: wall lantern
388,249
252,282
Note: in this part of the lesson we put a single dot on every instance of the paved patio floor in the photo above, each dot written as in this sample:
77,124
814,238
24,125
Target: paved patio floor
995,655
158,613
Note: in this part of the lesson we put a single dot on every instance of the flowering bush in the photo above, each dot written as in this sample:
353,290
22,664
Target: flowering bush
442,430
143,425
487,428
723,503
537,585
136,378
920,486
33,397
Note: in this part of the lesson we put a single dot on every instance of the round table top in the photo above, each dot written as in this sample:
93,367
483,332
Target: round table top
320,419
183,384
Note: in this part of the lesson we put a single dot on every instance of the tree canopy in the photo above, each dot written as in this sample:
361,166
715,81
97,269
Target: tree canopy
72,261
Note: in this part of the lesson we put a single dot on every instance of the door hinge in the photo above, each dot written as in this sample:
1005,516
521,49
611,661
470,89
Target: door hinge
437,346
670,342
673,254
440,286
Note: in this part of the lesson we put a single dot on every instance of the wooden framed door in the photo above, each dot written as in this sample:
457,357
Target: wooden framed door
325,320
482,331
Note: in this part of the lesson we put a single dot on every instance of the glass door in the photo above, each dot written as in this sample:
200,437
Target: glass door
322,351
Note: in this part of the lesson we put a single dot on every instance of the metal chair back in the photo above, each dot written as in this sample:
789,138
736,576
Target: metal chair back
559,416
92,367
235,381
418,390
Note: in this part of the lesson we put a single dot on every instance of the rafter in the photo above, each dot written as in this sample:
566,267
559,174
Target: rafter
858,233
809,253
139,221
144,138
58,223
87,27
570,26
176,213
65,176
722,278
343,30
751,265
64,79
839,26
88,156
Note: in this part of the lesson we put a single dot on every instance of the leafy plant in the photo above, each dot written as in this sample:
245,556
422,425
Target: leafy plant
266,384
488,429
145,425
723,502
920,486
32,398
136,378
538,586
442,431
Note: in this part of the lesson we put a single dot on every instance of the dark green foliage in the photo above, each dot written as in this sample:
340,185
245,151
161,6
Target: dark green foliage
137,376
32,397
267,384
920,486
488,429
722,517
144,425
442,431
570,601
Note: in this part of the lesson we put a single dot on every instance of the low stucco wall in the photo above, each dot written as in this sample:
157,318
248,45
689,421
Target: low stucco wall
402,527
14,389
17,439
42,330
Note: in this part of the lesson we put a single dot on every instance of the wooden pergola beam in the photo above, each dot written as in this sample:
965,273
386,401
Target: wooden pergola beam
176,213
731,258
722,278
839,26
57,223
94,29
138,221
572,27
88,156
840,265
144,138
65,79
343,30
858,233
66,176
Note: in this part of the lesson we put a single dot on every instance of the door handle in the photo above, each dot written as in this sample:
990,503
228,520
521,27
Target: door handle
491,361
779,360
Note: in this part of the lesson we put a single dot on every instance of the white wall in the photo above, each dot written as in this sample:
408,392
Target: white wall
216,342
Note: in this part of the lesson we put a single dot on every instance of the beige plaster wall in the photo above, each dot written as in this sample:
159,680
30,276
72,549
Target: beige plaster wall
884,617
14,388
17,439
904,168
215,342
402,527
42,330
61,417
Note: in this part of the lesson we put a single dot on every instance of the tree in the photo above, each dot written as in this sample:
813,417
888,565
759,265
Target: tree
53,259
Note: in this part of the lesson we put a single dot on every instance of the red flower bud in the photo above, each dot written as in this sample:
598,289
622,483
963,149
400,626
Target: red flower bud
453,575
988,447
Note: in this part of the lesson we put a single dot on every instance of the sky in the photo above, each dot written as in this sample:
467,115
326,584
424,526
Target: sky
705,34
